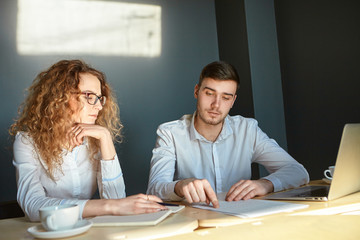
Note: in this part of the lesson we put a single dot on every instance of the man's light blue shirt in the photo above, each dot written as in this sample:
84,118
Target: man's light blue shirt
181,152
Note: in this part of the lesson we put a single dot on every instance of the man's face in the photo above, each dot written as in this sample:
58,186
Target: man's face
214,100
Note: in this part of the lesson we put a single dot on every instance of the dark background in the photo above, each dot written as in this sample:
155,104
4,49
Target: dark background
320,67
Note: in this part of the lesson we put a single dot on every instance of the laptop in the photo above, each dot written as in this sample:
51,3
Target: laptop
346,177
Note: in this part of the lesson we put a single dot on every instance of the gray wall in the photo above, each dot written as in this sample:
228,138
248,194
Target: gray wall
149,90
233,48
248,40
265,68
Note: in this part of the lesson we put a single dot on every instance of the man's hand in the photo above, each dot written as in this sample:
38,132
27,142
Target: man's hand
196,190
246,189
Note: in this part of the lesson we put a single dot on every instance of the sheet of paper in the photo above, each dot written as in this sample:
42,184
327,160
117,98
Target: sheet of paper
175,209
132,220
252,207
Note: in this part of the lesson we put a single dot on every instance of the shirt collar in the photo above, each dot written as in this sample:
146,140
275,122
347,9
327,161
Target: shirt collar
225,131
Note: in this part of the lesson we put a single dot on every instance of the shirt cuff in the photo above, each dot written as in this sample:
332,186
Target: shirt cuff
110,169
81,206
276,182
170,189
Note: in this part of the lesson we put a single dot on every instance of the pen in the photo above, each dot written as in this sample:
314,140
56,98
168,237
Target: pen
168,204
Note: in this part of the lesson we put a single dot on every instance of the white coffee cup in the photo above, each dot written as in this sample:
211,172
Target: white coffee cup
328,173
57,218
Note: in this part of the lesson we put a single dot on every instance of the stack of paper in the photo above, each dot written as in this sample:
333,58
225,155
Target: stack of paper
252,207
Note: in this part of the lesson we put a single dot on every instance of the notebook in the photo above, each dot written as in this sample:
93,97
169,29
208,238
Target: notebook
148,219
346,178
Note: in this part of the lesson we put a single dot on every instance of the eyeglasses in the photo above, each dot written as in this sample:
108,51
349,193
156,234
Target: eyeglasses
92,98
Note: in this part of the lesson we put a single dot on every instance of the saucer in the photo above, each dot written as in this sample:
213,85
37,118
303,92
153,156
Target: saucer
80,227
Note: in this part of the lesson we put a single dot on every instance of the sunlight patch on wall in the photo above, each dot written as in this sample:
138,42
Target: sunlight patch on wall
52,27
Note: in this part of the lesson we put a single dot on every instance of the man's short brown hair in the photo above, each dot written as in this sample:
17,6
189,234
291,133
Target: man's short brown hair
219,70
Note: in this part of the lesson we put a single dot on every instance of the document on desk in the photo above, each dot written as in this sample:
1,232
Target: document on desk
252,207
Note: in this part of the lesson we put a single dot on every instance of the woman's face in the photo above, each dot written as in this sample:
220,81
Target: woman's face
85,112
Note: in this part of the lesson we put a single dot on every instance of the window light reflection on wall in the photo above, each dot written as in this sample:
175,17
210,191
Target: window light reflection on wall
52,27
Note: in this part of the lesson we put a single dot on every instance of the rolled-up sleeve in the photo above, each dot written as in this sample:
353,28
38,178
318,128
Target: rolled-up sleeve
285,171
110,179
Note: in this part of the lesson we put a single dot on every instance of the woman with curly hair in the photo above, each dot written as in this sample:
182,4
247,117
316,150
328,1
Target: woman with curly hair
64,150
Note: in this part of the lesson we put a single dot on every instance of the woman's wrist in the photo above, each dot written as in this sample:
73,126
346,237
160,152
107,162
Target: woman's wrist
97,207
107,146
107,207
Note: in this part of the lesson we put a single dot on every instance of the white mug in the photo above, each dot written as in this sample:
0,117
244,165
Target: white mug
57,218
328,173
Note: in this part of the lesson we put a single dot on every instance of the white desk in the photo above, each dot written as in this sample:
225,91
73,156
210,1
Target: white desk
334,227
322,220
16,228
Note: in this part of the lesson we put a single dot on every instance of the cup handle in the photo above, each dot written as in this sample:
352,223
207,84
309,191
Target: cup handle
50,222
326,172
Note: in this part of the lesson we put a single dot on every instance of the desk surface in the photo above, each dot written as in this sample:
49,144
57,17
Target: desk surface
324,220
16,228
333,227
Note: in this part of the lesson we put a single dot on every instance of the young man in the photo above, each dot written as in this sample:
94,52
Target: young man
211,152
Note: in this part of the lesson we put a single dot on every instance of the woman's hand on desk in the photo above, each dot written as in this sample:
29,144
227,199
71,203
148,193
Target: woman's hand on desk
247,189
196,190
135,204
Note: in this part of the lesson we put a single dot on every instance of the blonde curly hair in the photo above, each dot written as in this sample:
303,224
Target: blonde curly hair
46,115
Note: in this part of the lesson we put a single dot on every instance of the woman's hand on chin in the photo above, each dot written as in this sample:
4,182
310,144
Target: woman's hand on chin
81,130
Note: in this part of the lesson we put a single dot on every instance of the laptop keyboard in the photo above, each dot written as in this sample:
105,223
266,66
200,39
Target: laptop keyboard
314,191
